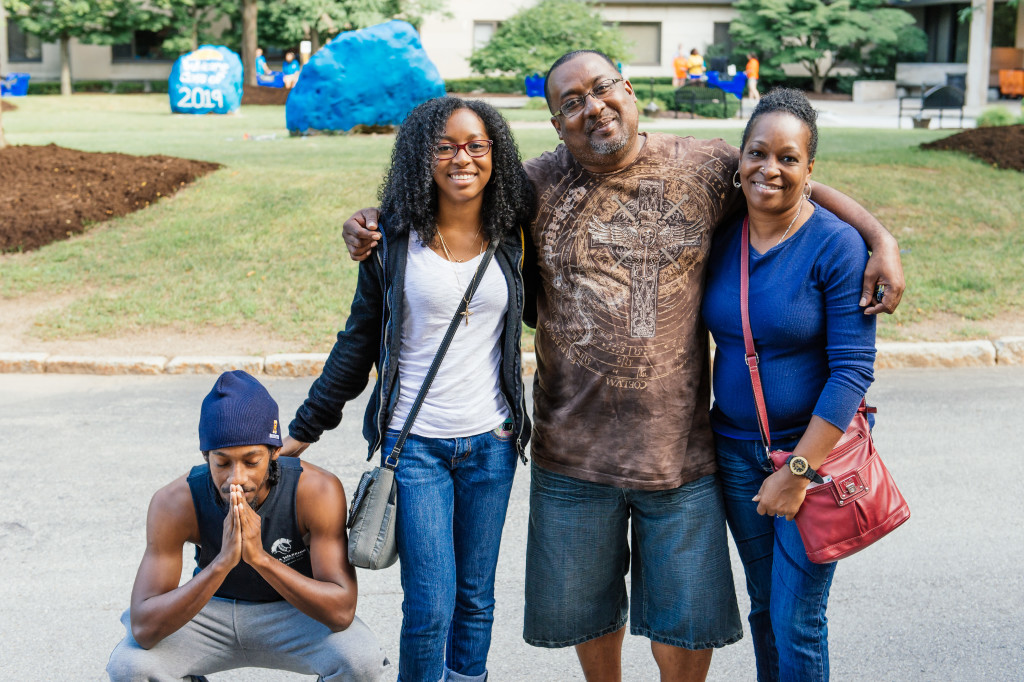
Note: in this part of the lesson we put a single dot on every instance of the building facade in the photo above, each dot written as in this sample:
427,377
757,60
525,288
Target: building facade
656,28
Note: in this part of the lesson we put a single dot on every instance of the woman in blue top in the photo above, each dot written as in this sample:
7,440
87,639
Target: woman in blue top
290,68
816,350
456,186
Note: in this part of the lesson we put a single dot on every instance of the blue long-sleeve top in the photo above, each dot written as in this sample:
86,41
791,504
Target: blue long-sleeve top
816,345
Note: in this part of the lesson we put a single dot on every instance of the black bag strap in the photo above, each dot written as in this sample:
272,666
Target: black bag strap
391,461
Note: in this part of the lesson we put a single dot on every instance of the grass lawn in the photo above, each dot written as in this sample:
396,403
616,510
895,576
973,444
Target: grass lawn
258,243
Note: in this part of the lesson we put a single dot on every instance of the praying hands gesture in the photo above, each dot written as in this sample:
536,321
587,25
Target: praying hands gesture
243,533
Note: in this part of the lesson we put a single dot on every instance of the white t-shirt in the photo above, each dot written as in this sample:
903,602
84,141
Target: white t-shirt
465,397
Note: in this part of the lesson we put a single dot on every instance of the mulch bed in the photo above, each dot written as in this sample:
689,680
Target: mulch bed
50,193
255,94
1001,146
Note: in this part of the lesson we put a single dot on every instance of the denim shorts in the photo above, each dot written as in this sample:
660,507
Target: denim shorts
578,554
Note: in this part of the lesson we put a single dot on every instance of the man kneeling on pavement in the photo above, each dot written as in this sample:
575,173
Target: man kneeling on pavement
273,587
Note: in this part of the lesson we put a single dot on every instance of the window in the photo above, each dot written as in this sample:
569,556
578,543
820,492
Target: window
483,31
646,42
145,45
723,39
22,47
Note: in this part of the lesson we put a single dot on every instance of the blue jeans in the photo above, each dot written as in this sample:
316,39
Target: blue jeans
578,553
452,497
788,593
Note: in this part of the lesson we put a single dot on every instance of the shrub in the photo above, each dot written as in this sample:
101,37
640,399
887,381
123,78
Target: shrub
994,117
531,40
110,87
665,97
495,84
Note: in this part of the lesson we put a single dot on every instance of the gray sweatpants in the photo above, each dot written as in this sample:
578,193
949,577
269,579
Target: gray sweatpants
230,634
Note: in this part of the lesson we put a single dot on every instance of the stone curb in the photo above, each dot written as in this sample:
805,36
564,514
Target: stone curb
956,354
1005,351
202,364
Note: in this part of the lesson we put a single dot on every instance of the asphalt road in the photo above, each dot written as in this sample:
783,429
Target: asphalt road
941,599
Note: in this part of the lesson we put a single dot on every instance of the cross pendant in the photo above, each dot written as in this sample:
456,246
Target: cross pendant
465,315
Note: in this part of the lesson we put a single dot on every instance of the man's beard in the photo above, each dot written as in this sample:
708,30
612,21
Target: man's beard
611,145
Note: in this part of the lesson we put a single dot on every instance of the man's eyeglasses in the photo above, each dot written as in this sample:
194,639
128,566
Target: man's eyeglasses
602,90
448,150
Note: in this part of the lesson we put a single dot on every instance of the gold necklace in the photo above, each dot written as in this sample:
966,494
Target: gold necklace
448,253
451,259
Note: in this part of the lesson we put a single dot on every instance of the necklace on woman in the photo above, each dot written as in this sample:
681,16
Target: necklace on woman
451,259
448,253
799,210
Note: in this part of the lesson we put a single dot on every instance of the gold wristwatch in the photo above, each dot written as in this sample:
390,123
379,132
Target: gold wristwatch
798,466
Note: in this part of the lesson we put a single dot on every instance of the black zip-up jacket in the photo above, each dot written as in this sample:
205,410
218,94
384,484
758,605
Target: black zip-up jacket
372,336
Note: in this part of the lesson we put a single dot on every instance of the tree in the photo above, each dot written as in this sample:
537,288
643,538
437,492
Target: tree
413,11
530,40
819,35
192,21
284,23
249,30
102,22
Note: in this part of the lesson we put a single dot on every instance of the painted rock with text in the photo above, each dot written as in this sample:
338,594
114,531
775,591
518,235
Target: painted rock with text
206,81
374,77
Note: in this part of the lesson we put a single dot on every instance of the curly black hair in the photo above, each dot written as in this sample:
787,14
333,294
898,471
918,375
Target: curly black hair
408,195
790,101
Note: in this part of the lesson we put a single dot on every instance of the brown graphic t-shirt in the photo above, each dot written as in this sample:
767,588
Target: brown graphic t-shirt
621,393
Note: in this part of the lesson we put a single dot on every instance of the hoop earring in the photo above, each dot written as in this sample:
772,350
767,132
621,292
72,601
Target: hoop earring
807,194
736,179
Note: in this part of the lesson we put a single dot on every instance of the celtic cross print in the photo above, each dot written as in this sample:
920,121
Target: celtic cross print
646,234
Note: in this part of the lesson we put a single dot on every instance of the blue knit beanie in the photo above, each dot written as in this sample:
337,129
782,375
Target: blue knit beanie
238,411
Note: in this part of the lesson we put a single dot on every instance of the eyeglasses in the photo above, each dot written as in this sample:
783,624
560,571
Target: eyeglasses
448,150
602,90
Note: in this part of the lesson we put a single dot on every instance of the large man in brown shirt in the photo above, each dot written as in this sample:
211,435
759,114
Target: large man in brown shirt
621,439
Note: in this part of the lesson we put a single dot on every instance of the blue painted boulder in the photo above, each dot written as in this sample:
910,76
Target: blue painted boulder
206,81
373,77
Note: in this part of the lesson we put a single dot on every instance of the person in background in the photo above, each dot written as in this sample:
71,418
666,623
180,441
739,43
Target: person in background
679,68
695,65
816,351
261,63
291,69
753,71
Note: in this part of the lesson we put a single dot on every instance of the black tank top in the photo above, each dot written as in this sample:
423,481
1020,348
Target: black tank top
282,538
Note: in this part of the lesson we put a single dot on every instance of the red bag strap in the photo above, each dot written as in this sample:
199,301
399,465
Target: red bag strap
748,339
748,343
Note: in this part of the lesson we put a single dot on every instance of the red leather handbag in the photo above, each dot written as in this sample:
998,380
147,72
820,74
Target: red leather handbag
859,502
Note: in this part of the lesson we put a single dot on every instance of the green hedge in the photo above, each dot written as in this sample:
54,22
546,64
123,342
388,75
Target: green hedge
495,84
840,84
665,98
111,87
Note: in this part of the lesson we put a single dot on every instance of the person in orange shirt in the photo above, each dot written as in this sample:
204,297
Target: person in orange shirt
679,68
753,70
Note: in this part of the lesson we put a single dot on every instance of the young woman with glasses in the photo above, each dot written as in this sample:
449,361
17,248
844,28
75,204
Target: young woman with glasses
455,186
